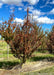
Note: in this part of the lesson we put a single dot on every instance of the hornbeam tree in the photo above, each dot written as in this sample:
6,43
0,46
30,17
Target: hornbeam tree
23,39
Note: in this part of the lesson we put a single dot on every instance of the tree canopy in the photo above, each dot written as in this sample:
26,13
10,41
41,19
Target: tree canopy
23,39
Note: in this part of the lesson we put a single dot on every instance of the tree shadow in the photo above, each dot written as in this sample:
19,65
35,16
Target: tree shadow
39,58
10,64
7,64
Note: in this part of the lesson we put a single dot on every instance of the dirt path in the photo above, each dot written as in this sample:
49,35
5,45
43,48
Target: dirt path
27,67
38,66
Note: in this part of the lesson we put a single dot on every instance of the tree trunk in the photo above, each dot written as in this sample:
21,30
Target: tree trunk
23,61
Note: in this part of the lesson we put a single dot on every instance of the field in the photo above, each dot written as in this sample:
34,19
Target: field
8,61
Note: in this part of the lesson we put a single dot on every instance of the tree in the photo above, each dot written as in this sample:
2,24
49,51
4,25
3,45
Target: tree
50,43
23,40
7,29
43,47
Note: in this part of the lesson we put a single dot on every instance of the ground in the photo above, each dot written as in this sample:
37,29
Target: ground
38,63
28,68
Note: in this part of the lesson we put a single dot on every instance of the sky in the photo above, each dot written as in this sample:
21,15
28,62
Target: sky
42,11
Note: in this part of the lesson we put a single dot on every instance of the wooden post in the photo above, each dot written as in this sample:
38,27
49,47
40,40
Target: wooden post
7,51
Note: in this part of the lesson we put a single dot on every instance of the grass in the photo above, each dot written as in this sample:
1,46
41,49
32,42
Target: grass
48,71
3,44
12,61
3,47
40,56
8,64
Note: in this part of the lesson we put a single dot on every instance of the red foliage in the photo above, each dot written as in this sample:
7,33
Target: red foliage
23,40
50,43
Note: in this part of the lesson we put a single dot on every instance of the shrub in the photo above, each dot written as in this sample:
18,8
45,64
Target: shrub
23,40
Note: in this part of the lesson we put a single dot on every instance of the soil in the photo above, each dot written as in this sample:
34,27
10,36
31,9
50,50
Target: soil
27,67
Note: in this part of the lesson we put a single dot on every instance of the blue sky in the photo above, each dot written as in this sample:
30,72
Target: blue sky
42,11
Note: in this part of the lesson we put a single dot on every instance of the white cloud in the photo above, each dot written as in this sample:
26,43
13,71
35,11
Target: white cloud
36,12
45,20
30,8
35,17
15,2
32,2
11,11
52,2
0,21
18,20
1,5
11,7
19,2
47,2
19,8
41,20
52,11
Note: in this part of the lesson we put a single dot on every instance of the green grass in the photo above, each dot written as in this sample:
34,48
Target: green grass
8,64
3,44
12,61
40,56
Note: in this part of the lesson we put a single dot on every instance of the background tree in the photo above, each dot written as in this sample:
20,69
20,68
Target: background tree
43,46
23,40
7,29
50,43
